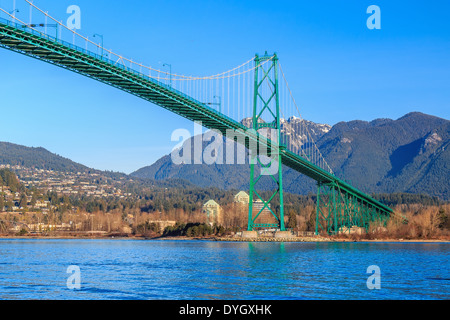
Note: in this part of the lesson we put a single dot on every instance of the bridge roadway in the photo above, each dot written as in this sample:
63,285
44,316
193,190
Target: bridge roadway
23,40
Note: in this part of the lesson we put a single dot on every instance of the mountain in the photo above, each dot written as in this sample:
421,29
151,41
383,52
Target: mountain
410,154
38,158
234,176
383,156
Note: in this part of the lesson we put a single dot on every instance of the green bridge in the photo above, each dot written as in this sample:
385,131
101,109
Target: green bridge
338,203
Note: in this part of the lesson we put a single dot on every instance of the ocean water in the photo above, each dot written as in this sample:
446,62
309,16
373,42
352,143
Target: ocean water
172,270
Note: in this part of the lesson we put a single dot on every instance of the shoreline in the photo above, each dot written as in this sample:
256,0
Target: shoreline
218,239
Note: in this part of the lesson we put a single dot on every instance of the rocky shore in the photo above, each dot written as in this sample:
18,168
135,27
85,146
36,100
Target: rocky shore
273,239
212,238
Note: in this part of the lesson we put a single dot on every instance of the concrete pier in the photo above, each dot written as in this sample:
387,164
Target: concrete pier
249,234
283,234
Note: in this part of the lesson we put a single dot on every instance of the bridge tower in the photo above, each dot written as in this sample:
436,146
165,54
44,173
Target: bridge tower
266,124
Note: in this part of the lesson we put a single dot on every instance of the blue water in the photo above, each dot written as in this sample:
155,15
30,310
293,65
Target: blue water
135,269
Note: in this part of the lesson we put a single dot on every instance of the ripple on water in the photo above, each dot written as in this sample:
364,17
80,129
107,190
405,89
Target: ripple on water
124,269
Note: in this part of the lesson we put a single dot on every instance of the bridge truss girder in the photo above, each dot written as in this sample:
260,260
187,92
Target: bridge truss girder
337,211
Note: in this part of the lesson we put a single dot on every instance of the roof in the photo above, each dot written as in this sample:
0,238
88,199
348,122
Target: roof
241,194
211,203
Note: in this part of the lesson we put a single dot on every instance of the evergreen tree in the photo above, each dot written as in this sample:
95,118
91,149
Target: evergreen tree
311,224
33,199
9,205
292,219
23,201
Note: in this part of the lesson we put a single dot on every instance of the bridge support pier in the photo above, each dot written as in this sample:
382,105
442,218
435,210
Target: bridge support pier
249,234
338,211
283,234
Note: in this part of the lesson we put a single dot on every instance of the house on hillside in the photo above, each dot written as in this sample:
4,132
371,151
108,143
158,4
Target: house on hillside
242,197
213,212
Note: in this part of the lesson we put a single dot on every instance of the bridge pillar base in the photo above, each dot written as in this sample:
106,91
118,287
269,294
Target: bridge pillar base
283,234
249,234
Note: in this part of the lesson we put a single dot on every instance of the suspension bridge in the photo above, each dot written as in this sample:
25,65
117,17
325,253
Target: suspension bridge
256,91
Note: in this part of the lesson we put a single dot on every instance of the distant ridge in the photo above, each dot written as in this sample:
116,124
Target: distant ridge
410,154
39,158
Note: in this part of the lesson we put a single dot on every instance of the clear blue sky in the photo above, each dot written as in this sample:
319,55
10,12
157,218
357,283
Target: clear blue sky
338,69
